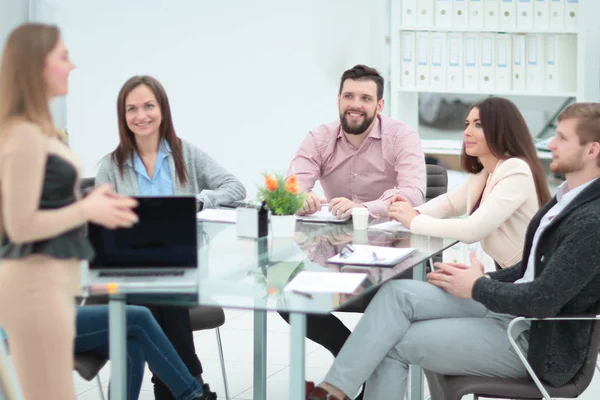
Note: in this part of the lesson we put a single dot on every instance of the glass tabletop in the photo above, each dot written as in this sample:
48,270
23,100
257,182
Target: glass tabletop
246,273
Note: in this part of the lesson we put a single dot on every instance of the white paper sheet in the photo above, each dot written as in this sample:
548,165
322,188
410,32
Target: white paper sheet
390,226
373,255
325,282
324,215
217,215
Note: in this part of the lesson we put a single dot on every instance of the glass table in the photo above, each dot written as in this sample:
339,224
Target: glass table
245,273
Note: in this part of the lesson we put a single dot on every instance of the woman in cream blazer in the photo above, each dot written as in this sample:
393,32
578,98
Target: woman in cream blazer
505,187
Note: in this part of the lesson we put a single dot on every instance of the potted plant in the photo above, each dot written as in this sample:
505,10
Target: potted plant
283,199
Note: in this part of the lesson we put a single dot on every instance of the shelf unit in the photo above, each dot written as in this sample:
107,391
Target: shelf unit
404,101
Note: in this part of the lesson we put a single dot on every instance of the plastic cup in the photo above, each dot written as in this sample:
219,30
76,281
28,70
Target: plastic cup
360,218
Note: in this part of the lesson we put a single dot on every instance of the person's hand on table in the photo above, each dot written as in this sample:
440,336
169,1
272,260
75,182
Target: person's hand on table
312,204
342,207
457,279
401,210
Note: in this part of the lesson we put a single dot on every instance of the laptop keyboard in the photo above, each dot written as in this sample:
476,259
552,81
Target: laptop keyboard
134,274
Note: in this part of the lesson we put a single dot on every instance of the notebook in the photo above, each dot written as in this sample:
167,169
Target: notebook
371,255
324,215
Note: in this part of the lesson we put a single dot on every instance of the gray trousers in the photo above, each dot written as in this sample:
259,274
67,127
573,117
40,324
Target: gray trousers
413,322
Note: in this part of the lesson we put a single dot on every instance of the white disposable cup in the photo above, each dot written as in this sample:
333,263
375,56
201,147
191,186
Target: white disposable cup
360,218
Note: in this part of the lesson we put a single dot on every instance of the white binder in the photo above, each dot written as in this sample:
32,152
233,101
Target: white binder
408,52
409,13
491,11
561,63
557,14
470,61
508,11
571,14
519,60
487,63
541,14
443,13
454,67
460,14
525,14
437,69
503,71
423,57
476,13
535,62
425,13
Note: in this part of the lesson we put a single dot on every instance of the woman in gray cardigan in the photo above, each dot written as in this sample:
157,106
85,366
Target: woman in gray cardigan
151,160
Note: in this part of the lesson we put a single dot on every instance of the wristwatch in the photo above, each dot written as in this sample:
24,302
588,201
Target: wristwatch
199,206
487,276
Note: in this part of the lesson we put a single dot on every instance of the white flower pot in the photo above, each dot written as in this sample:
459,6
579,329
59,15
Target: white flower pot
283,225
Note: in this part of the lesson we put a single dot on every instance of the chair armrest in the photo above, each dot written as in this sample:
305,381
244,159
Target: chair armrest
523,358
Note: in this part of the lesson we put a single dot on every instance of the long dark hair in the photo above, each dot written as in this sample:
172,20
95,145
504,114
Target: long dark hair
507,136
127,144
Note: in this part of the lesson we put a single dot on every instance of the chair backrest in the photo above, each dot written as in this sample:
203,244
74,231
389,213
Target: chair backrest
584,377
437,181
87,183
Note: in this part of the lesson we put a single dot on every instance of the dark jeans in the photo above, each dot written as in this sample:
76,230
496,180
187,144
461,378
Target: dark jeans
175,322
145,342
327,330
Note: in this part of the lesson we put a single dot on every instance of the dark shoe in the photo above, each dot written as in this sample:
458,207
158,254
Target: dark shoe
321,394
206,393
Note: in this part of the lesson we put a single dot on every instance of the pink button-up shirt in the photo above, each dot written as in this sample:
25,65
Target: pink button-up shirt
389,161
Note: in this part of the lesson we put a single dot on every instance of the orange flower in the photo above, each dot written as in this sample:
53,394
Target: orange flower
292,188
270,183
292,179
291,185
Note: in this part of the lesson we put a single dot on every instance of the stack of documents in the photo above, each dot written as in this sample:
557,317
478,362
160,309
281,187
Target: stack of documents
324,215
372,255
217,215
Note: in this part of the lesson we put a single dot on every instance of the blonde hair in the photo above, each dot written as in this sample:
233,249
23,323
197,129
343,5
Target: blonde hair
23,93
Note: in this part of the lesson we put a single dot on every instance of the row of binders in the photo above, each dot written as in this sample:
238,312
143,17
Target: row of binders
540,63
491,14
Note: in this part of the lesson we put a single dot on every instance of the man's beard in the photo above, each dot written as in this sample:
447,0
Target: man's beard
567,166
356,129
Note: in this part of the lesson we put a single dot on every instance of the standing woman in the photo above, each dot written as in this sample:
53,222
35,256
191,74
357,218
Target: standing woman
43,215
151,160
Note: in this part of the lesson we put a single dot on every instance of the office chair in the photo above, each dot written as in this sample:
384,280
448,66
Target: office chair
211,317
437,184
445,387
437,181
88,366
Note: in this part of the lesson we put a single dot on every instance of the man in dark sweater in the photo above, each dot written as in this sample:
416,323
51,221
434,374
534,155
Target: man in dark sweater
461,329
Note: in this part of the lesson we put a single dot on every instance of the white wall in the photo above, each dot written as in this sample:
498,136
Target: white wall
12,14
246,79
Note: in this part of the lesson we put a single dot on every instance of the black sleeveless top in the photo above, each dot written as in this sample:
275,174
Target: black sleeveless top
57,191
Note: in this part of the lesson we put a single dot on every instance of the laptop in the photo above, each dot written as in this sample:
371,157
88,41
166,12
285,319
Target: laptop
161,249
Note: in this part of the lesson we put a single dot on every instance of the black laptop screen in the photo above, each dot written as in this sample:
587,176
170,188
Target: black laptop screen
165,236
